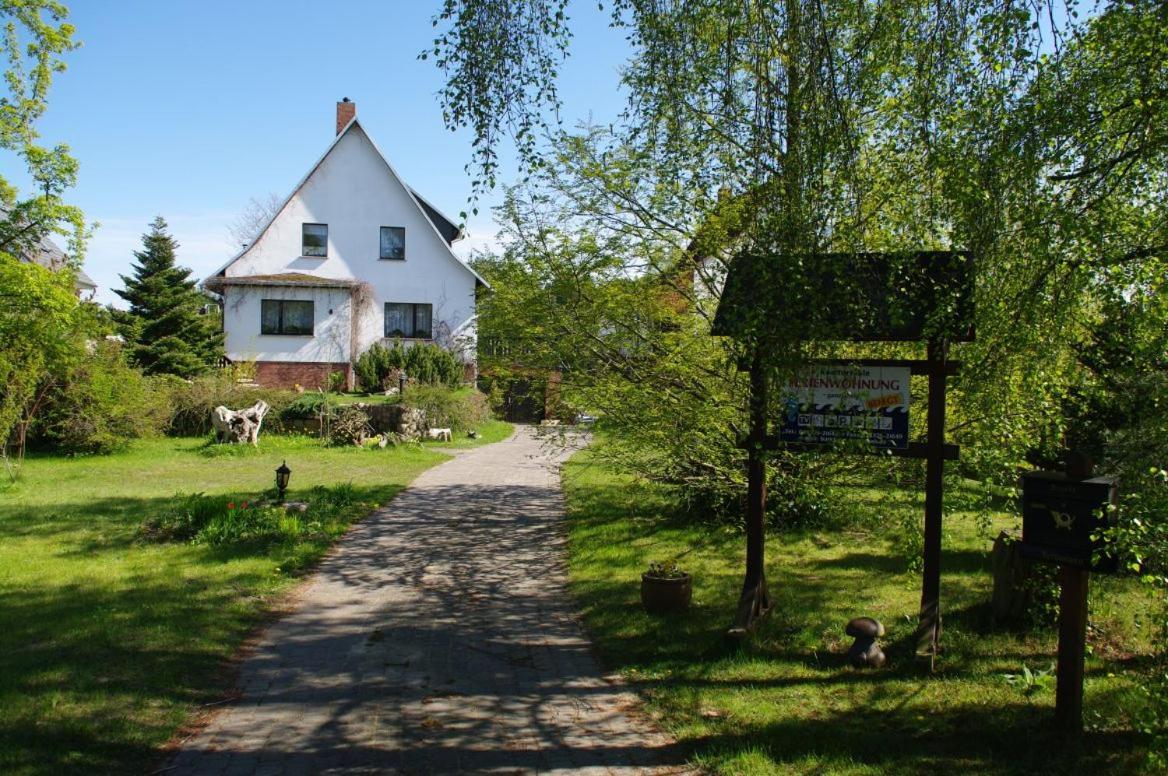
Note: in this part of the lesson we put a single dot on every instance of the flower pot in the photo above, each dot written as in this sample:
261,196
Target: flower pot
662,595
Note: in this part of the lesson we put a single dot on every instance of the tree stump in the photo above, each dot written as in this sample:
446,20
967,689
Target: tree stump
239,426
1012,573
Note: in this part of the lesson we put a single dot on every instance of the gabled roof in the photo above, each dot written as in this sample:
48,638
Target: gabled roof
432,215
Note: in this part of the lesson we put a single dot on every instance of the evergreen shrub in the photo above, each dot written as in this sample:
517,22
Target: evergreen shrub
423,362
309,405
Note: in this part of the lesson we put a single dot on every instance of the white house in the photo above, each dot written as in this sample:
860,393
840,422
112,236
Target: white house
353,257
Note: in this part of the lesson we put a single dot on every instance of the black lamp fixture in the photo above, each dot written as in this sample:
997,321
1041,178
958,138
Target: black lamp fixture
282,475
401,383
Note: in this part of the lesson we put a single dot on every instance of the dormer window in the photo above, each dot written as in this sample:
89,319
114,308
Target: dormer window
393,242
314,240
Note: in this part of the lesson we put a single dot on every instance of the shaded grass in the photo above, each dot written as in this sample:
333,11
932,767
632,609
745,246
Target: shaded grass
787,702
109,642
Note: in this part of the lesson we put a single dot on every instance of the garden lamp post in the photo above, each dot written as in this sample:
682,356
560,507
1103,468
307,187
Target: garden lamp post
282,475
401,383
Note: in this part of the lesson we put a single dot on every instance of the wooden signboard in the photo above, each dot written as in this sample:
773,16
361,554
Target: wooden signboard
831,403
908,296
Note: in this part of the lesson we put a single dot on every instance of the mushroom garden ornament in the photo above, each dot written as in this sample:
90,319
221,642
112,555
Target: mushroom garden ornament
865,652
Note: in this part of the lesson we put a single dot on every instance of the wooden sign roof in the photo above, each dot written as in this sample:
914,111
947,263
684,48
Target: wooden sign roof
895,297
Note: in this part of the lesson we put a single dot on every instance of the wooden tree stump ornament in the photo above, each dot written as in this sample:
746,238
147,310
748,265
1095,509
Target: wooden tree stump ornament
239,426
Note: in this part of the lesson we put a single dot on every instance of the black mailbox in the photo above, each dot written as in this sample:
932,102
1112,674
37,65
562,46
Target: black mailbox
1059,515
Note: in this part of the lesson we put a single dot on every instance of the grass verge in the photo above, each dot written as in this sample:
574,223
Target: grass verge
110,641
787,702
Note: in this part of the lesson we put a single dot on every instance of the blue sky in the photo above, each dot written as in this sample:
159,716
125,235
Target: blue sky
189,109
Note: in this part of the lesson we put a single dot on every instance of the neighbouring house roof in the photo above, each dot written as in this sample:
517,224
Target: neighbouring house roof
49,255
301,279
446,230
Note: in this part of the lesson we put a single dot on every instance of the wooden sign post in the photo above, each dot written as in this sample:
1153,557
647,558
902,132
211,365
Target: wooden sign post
929,621
1061,515
1072,648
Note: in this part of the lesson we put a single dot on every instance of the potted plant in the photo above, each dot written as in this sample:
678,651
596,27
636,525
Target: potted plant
665,588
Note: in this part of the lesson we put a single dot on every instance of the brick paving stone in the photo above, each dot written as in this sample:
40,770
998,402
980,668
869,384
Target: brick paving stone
439,637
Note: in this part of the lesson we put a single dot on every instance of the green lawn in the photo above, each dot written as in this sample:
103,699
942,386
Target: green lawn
109,643
491,431
788,702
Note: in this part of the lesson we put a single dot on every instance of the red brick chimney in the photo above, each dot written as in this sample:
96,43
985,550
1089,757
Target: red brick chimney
346,110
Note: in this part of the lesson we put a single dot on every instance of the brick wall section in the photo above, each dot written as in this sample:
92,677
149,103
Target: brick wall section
310,375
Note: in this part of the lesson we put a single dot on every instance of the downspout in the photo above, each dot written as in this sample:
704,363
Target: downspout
354,300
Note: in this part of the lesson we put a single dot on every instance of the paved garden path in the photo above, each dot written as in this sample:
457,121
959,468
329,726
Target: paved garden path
437,638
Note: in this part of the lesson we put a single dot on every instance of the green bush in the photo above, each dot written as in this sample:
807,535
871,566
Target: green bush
192,402
458,409
313,404
423,362
102,404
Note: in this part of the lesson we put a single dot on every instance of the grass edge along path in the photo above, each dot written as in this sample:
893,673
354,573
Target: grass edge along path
788,702
110,644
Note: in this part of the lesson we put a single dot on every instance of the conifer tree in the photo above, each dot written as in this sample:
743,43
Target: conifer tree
165,328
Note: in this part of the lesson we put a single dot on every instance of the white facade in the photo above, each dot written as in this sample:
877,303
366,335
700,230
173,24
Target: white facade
355,192
331,340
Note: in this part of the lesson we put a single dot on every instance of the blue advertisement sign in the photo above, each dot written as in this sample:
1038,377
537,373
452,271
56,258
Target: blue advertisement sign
828,404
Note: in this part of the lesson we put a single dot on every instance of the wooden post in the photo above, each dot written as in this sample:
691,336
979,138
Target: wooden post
754,601
1072,647
929,627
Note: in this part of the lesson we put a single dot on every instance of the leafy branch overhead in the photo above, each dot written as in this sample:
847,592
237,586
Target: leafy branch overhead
35,39
501,60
